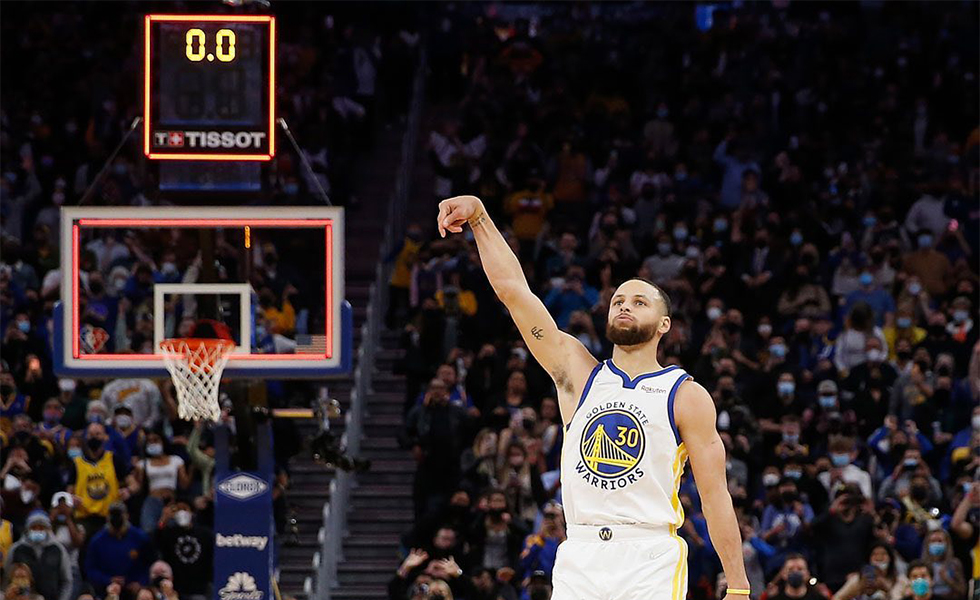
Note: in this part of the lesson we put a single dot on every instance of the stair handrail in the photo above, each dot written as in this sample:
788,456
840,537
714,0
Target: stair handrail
335,509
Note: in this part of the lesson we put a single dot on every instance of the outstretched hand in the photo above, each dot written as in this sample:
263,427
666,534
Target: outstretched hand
453,212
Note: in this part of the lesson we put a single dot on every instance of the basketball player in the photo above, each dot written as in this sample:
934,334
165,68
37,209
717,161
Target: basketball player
631,425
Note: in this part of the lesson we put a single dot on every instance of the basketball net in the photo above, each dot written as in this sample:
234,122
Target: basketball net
195,366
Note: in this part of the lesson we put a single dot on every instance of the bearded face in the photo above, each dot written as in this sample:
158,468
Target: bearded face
636,314
624,332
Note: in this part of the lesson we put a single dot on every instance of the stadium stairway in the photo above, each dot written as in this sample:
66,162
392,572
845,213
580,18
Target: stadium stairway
381,503
310,481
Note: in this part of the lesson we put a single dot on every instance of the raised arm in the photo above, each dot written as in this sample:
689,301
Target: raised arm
694,413
561,355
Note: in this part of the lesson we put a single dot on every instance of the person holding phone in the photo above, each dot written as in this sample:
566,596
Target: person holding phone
878,580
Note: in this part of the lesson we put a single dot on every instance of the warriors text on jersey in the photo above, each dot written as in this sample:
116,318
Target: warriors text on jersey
622,458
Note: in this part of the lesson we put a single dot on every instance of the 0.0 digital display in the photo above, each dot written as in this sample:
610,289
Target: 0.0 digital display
209,86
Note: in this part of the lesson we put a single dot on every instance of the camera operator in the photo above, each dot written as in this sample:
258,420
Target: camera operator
844,535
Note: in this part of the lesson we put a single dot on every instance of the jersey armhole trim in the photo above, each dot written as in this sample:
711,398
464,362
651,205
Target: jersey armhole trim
670,406
585,392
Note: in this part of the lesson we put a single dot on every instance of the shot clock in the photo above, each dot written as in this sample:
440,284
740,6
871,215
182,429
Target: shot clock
209,87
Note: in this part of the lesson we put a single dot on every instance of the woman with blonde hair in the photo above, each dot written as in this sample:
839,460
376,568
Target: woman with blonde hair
948,582
478,464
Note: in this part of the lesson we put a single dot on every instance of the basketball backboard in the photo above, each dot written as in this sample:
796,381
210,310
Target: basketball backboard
272,277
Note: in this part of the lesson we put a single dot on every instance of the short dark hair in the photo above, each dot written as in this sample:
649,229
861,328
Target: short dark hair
919,564
663,295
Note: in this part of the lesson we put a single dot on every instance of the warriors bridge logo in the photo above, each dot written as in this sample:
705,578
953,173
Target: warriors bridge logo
612,446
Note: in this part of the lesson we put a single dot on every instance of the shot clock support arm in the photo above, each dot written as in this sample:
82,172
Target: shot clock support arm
105,167
306,164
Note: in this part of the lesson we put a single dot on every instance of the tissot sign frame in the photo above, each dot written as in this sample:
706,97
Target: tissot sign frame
232,92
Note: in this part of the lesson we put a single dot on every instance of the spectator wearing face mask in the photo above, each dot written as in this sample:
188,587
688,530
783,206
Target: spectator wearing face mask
141,396
930,266
911,477
948,582
785,521
794,582
850,349
827,418
187,546
495,538
843,452
162,474
870,386
94,478
50,429
97,412
125,425
871,293
786,403
20,487
878,580
961,327
119,553
920,582
666,264
39,550
904,327
68,534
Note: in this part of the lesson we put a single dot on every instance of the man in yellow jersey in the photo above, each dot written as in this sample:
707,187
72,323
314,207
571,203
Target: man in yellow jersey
94,479
631,425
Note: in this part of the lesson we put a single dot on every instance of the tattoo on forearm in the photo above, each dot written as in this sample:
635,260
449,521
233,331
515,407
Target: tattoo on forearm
478,220
538,333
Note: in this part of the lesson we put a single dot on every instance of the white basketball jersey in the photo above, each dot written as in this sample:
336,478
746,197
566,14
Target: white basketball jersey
622,458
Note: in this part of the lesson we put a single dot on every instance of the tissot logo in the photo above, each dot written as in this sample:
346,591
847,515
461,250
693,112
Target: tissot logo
242,486
653,390
209,139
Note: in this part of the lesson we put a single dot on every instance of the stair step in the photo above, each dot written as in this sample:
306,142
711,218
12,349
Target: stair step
381,515
357,578
383,420
377,443
293,580
359,592
373,552
384,454
385,408
296,554
367,566
369,490
399,478
389,540
374,528
379,503
403,464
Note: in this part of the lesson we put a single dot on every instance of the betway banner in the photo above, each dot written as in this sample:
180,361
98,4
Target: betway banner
243,532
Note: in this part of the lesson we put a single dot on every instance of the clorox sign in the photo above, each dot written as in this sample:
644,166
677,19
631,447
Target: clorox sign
242,486
240,586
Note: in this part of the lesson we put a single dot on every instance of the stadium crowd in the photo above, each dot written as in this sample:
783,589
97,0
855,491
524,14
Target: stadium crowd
104,492
802,178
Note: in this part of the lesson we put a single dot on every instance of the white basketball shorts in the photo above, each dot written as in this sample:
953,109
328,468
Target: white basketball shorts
620,562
